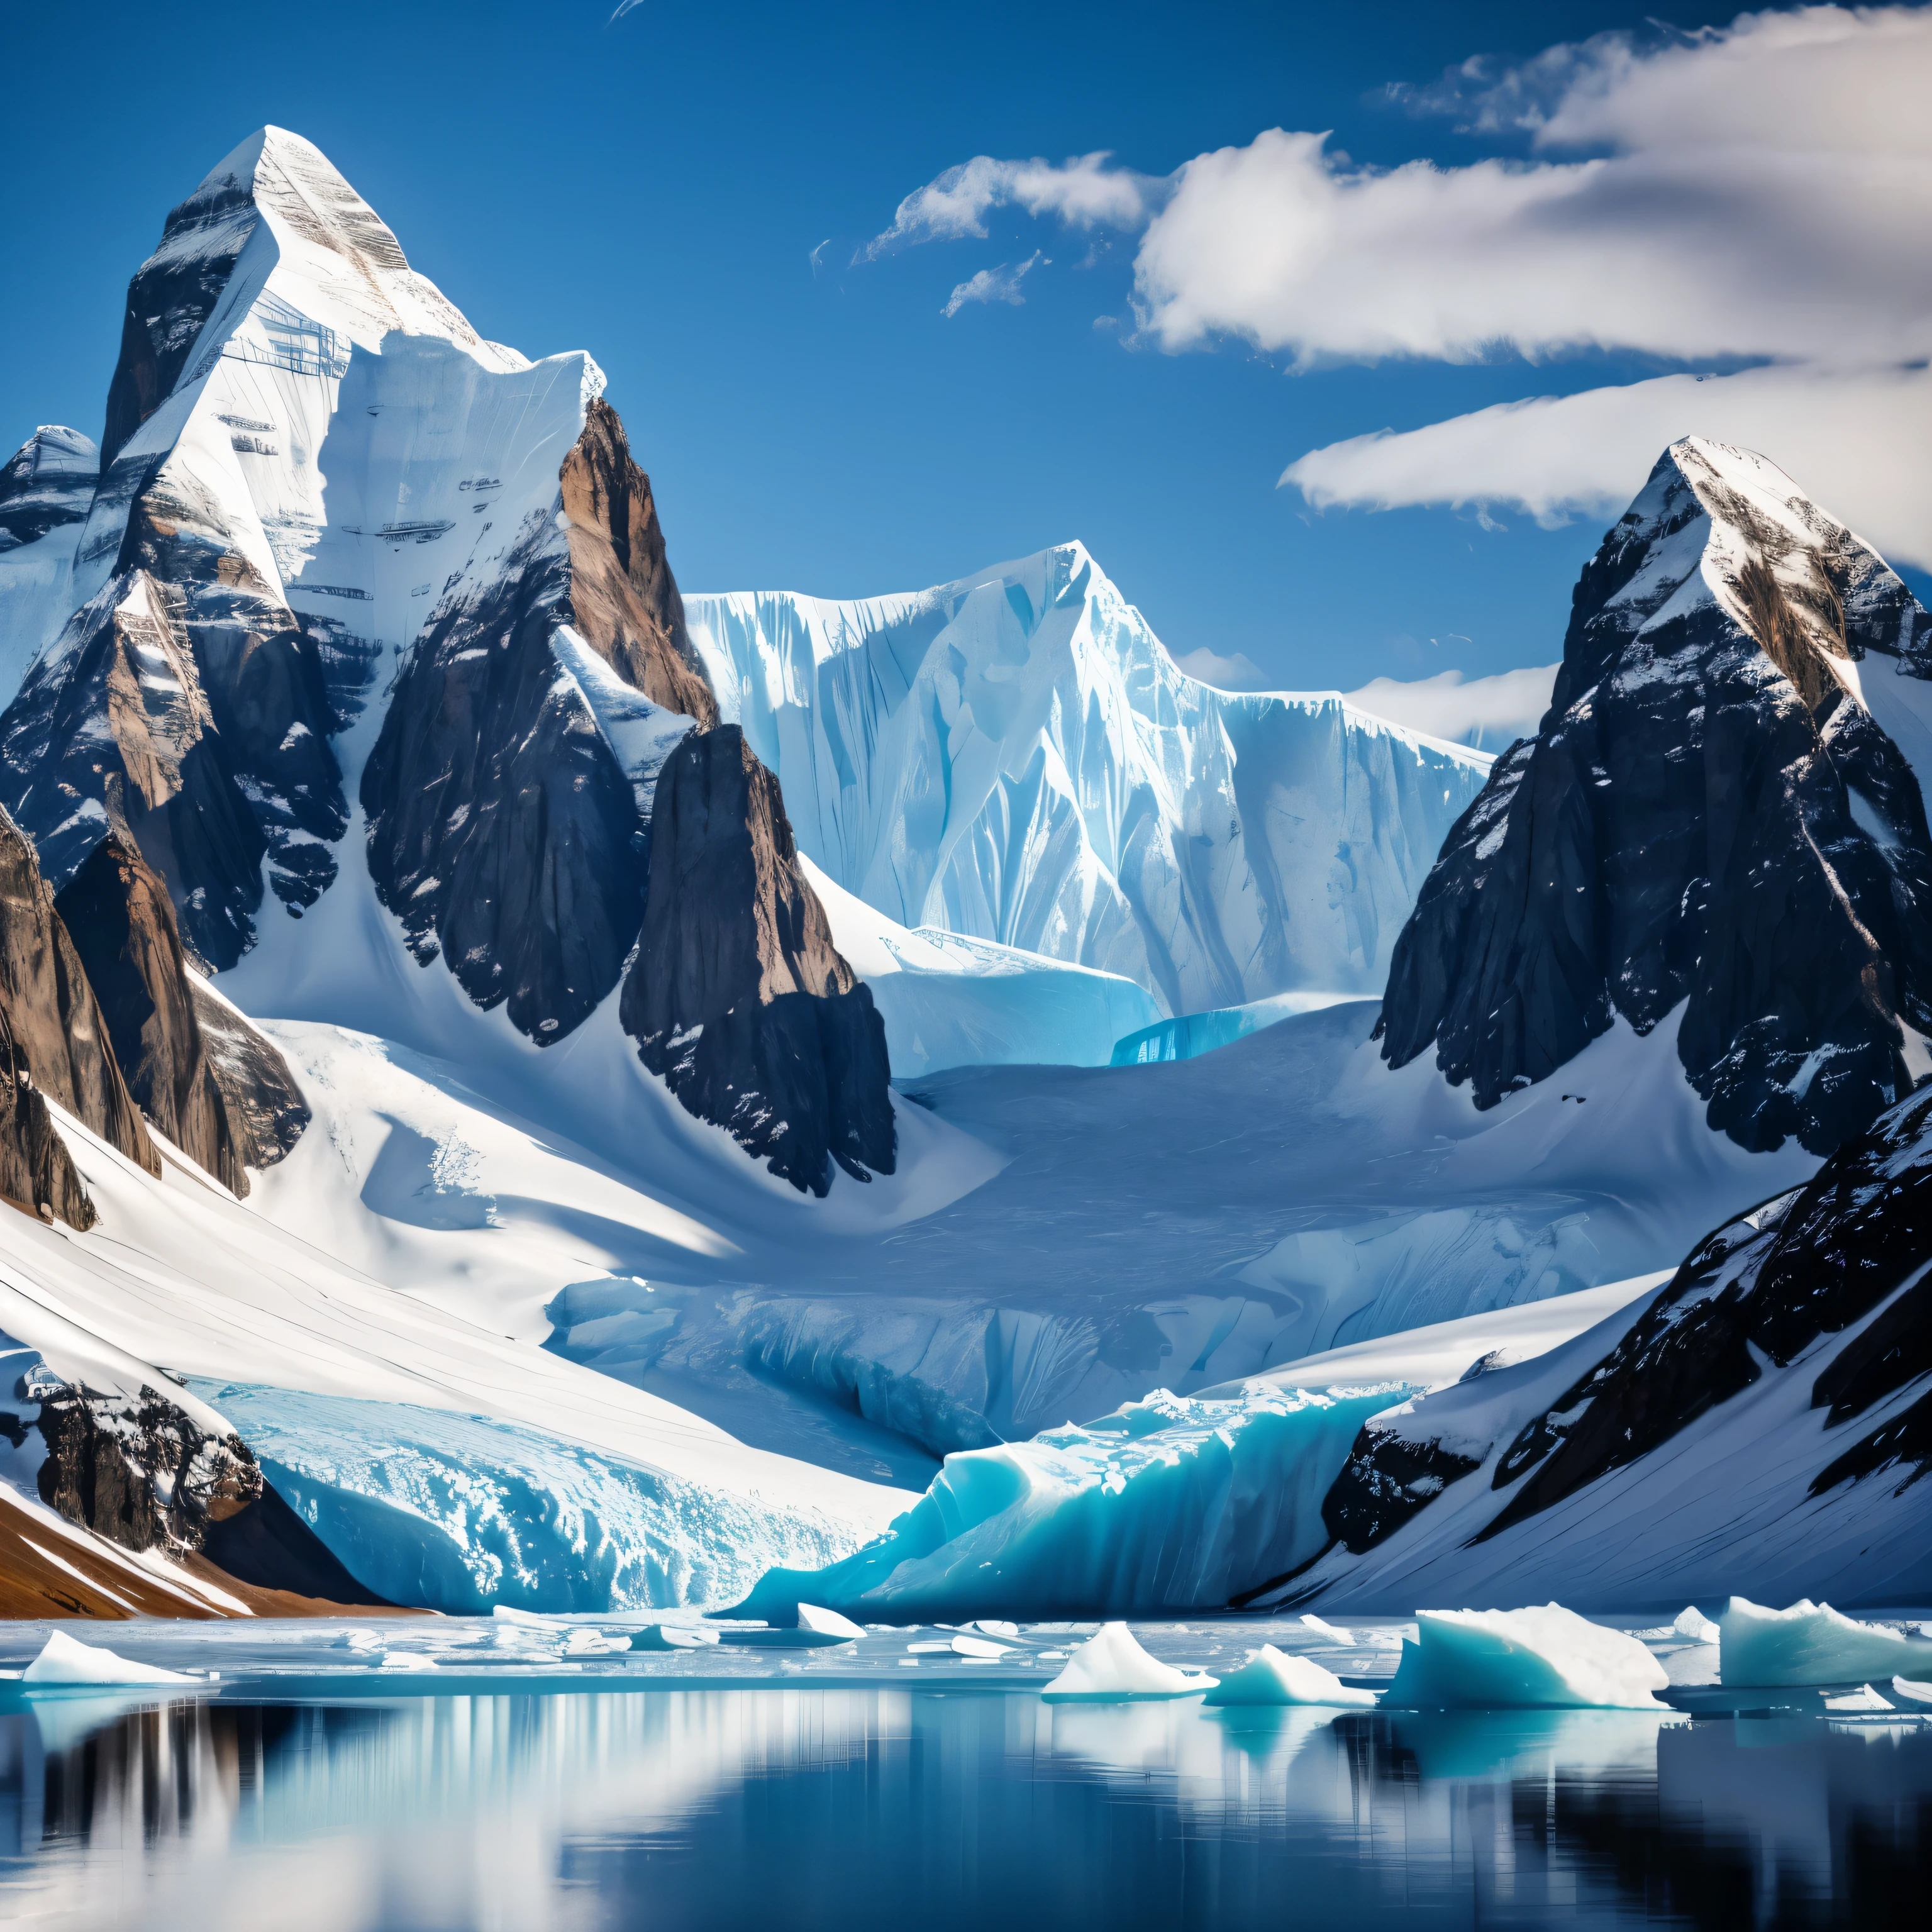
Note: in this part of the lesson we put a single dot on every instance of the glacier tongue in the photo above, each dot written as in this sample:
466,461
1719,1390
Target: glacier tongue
1015,758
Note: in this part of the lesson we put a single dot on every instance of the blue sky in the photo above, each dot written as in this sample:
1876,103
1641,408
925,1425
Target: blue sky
652,188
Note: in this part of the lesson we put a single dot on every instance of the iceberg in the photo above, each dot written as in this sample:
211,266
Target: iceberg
1271,1676
1111,1668
1912,1692
1516,1660
1692,1623
672,1636
1172,1503
64,1661
827,1623
1809,1643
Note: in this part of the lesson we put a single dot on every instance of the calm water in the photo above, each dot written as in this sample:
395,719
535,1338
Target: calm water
853,1808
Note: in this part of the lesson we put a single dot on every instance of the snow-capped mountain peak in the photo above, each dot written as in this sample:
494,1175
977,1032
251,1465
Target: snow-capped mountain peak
1723,808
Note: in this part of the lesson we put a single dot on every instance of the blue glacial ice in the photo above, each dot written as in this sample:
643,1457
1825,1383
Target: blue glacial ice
1540,1658
461,1513
1189,1035
1176,1502
1811,1643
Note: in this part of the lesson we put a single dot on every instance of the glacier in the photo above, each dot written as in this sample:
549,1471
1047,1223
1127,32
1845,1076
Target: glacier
1167,1503
1015,757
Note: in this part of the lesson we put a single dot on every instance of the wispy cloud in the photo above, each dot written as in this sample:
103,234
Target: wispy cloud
1236,672
1487,713
992,285
1082,193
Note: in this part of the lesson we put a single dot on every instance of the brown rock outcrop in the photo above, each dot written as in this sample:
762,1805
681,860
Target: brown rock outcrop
55,1042
122,923
623,598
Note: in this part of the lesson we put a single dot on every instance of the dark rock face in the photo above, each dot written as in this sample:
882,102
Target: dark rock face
502,830
123,926
173,294
54,1042
185,706
737,997
49,482
624,601
1388,1479
1709,816
138,1470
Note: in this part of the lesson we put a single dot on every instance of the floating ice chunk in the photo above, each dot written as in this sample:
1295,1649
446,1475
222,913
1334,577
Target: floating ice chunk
1311,1622
407,1660
63,1660
672,1636
1809,1643
995,1627
1865,1698
827,1623
1112,1668
1527,1659
1271,1676
1692,1623
1913,1693
585,1642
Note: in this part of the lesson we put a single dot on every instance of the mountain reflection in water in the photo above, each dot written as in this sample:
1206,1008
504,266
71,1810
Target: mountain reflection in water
857,1808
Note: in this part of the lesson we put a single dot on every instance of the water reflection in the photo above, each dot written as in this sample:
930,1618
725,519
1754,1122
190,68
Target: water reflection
851,1809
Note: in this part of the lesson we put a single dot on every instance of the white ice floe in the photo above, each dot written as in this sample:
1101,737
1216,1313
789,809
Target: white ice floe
65,1660
1509,1659
1912,1692
1865,1698
407,1660
1271,1676
827,1623
1111,1668
1313,1622
1811,1643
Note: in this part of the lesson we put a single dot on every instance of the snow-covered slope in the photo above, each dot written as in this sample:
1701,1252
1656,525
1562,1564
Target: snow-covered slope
1760,1425
1015,757
444,1463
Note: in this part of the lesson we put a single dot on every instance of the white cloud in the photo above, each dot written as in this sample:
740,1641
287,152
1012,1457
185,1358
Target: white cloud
1238,672
1488,713
1856,441
1764,190
1081,192
992,285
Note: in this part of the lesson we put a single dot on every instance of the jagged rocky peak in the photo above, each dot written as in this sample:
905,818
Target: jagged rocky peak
54,1045
624,601
737,996
221,1093
278,176
49,481
1720,813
